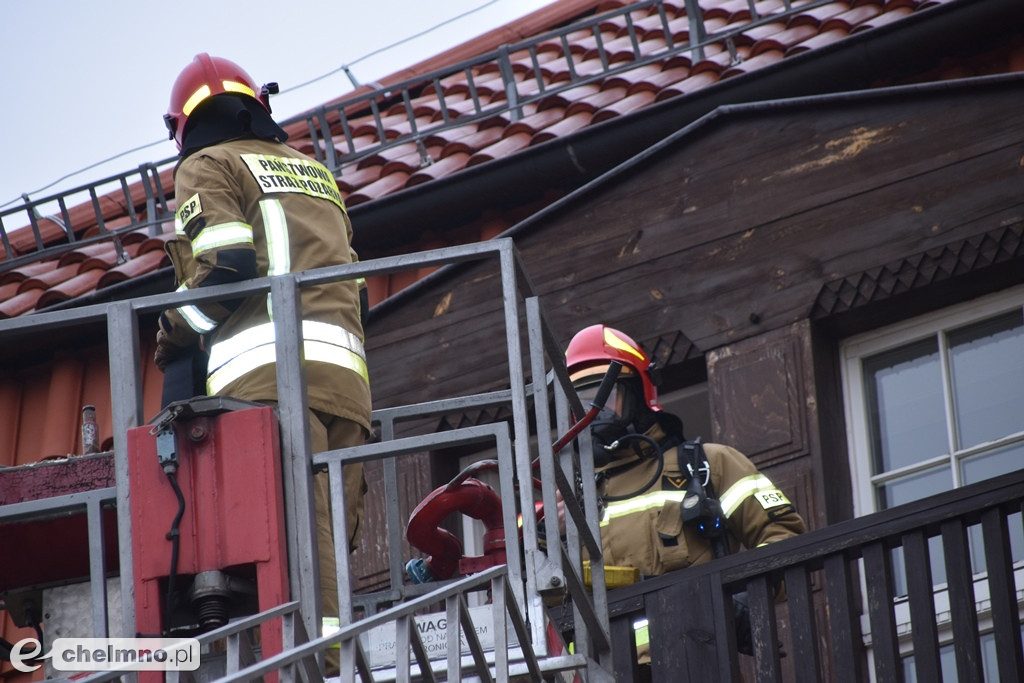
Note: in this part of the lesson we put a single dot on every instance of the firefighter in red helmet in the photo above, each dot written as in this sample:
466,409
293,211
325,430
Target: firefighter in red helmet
250,206
703,500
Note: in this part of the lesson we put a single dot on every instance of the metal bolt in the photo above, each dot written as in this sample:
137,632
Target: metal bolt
556,581
197,433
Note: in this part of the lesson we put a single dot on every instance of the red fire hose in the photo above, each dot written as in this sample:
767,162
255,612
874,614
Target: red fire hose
475,499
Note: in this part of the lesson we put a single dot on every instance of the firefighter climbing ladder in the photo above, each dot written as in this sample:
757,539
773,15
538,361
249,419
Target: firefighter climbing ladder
519,638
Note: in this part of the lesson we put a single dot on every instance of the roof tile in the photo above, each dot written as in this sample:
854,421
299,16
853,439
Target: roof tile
352,179
50,278
632,102
439,169
754,63
384,185
568,97
691,83
820,40
535,122
28,270
146,262
887,17
99,249
652,27
104,260
509,144
20,303
80,284
661,80
472,142
598,100
23,241
785,39
562,127
618,49
850,18
764,31
815,16
717,62
154,243
633,77
8,290
409,158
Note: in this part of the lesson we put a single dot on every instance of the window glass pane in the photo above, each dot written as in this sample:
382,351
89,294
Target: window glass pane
1009,458
914,487
905,401
947,662
936,561
989,658
987,365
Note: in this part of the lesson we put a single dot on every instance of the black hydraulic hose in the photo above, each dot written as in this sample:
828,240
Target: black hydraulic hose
174,536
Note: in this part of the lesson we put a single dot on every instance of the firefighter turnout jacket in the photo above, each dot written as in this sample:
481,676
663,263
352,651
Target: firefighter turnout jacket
255,198
646,530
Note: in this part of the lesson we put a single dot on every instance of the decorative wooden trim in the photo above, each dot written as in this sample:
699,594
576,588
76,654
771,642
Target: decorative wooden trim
919,270
671,348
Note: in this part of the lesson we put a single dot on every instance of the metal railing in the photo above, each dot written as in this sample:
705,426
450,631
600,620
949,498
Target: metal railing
91,503
506,81
530,574
501,83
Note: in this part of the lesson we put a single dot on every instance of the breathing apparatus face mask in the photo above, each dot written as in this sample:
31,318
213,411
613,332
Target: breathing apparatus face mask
614,432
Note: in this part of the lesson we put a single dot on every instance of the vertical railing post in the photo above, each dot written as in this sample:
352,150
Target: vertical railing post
508,79
97,567
293,413
126,414
532,606
545,454
698,32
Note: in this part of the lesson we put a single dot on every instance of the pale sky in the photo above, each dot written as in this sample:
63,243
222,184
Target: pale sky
85,80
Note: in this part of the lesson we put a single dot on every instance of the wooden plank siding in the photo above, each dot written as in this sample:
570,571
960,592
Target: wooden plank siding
722,237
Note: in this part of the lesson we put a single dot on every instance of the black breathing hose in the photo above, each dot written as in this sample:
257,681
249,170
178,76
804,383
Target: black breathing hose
652,481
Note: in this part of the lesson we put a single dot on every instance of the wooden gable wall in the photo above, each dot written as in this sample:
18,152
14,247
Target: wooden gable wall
731,239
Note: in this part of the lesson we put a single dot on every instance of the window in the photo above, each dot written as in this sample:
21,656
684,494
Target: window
934,403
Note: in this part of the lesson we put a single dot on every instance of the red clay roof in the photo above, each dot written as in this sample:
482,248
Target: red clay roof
28,286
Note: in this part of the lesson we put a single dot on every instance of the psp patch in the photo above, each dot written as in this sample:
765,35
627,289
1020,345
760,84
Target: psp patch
189,209
771,498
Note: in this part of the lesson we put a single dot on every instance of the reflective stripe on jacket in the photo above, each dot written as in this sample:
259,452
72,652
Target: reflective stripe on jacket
255,347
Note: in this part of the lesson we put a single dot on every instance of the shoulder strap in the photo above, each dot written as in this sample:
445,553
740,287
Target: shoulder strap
694,462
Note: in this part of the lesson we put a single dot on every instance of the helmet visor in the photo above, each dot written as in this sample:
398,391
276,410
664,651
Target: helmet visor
622,400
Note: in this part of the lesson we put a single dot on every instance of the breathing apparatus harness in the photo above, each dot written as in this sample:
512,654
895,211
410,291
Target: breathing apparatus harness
700,508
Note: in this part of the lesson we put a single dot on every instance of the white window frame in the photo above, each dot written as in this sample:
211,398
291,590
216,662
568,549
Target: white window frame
855,349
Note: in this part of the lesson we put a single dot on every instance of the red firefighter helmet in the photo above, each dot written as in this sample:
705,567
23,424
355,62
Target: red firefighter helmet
592,350
205,77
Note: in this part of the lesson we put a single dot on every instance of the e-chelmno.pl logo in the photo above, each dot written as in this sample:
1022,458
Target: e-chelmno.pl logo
109,654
